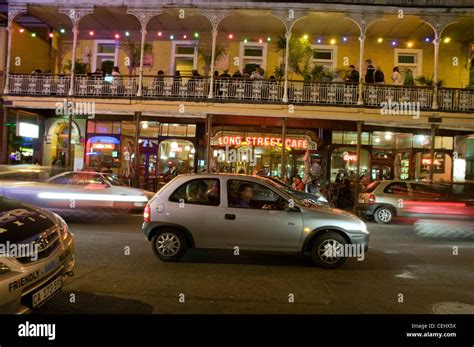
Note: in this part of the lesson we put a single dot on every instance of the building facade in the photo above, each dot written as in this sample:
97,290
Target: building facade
382,90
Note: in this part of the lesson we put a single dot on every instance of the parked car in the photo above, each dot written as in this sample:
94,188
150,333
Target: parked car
223,211
313,198
385,200
36,256
83,190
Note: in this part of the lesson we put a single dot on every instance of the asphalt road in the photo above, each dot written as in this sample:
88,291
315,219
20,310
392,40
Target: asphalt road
116,272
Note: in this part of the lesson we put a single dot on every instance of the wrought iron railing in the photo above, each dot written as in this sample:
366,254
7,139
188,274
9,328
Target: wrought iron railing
239,90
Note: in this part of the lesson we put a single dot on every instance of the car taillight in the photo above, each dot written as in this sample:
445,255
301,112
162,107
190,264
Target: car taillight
146,214
372,199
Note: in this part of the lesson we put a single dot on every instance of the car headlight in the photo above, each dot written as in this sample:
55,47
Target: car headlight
4,269
363,227
62,226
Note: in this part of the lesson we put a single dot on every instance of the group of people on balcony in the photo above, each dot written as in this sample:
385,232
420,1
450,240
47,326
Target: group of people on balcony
377,76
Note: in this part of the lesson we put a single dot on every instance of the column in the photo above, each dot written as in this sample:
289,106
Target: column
13,12
358,150
208,143
432,151
360,100
75,33
142,53
435,72
213,57
136,174
283,149
287,55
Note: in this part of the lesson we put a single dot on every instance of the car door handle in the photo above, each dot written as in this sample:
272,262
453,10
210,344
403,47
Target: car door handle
290,223
229,216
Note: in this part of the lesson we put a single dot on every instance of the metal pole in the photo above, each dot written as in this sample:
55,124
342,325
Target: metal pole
142,53
283,149
287,57
208,144
75,32
4,137
434,104
69,160
432,151
7,65
360,100
358,150
213,58
137,149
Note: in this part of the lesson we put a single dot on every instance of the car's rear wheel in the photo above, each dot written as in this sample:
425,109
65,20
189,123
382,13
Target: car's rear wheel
169,244
383,215
327,250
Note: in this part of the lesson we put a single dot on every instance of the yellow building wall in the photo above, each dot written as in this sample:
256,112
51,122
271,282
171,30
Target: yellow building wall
28,53
381,54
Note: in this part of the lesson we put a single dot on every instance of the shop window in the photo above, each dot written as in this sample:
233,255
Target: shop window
344,162
103,127
176,157
398,188
103,151
178,130
198,192
246,194
350,138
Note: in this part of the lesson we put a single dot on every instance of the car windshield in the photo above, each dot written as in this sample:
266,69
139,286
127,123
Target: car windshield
115,181
283,188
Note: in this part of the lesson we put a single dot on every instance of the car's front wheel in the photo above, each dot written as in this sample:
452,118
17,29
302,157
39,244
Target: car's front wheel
327,250
169,244
383,215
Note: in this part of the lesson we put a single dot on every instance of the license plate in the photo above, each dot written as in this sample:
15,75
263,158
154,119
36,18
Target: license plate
47,292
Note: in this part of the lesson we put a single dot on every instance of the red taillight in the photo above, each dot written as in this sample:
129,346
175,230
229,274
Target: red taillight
146,214
371,199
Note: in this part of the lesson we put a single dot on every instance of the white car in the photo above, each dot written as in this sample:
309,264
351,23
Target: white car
36,256
82,190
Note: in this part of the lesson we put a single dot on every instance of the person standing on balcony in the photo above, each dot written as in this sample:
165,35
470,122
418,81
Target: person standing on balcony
353,75
409,81
396,76
370,74
379,76
237,74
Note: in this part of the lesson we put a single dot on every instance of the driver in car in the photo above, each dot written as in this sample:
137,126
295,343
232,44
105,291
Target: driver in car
246,195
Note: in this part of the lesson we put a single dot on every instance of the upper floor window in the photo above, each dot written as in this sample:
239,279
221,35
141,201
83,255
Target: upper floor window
184,57
105,55
409,59
325,56
253,55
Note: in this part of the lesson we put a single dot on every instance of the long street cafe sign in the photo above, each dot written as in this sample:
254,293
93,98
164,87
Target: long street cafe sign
236,140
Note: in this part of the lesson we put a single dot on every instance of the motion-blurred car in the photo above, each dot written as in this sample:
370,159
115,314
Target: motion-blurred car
36,256
84,190
384,200
224,211
27,173
313,198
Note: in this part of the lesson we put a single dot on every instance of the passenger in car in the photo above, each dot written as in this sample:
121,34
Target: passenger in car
245,197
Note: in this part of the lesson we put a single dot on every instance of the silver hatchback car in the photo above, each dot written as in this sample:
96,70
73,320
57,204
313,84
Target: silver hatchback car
226,211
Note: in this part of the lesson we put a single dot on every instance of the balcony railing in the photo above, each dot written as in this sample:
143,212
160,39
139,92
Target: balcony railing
239,90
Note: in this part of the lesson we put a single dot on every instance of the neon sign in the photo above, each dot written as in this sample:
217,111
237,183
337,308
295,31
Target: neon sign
349,157
103,146
261,141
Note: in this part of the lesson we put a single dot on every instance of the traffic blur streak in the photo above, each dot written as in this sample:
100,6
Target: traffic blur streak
73,191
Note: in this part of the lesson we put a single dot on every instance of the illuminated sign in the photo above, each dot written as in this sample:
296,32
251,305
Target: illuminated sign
28,130
261,141
349,157
103,146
